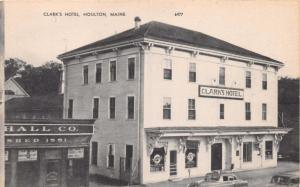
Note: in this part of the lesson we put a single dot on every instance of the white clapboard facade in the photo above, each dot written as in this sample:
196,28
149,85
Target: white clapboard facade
173,103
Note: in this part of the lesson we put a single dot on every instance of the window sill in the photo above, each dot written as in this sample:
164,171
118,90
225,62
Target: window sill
131,79
110,168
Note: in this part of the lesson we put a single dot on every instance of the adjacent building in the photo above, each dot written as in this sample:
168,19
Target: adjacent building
13,89
170,103
49,153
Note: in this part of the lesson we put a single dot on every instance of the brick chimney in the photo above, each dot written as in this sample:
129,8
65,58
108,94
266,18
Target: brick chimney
137,22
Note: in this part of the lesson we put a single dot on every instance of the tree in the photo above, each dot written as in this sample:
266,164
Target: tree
13,66
42,80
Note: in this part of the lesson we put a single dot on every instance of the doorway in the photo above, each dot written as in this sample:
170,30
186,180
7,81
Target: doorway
173,163
129,154
216,156
27,174
53,173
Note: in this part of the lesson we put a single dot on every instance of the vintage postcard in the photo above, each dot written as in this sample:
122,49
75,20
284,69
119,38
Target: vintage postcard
149,93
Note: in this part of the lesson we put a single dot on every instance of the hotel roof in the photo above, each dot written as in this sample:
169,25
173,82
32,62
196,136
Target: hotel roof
174,34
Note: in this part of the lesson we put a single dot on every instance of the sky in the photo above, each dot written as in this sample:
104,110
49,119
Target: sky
270,28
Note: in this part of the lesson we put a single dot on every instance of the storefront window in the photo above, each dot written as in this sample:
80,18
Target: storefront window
247,152
157,160
191,154
269,150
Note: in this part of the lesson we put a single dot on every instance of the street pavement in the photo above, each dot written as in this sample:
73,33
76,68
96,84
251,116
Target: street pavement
255,178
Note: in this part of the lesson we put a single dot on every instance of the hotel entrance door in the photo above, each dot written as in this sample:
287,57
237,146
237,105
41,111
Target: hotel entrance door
216,156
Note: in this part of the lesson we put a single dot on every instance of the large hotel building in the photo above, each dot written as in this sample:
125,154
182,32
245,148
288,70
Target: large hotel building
173,103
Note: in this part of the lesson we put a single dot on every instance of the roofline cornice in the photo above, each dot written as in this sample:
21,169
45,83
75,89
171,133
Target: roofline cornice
193,50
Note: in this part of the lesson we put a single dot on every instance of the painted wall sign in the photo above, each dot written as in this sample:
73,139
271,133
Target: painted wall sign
75,153
221,92
21,141
27,155
48,129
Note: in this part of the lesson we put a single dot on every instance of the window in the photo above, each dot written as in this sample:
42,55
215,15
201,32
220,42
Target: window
222,76
191,154
157,160
264,81
248,111
191,109
112,108
131,68
167,108
248,79
192,72
113,70
247,151
94,153
167,69
70,108
96,108
268,150
85,74
130,107
111,156
222,113
264,111
98,72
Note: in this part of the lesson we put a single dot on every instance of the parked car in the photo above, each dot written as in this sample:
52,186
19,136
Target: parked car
218,179
290,179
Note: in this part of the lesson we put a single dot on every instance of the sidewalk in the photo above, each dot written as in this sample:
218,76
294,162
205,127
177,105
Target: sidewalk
254,177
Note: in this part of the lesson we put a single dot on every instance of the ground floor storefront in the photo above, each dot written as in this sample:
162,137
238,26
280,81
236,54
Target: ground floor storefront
176,153
47,153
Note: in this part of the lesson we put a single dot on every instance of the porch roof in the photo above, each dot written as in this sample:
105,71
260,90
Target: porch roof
217,130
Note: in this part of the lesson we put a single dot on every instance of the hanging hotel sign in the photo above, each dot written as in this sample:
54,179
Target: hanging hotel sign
221,92
27,155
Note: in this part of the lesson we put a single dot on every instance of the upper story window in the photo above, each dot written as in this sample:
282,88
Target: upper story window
167,69
192,72
248,79
222,76
111,156
264,111
112,108
113,70
130,107
264,81
191,109
96,108
98,72
131,68
85,74
70,108
268,150
166,108
222,111
248,111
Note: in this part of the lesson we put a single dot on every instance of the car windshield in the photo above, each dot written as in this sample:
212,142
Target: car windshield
280,180
212,176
